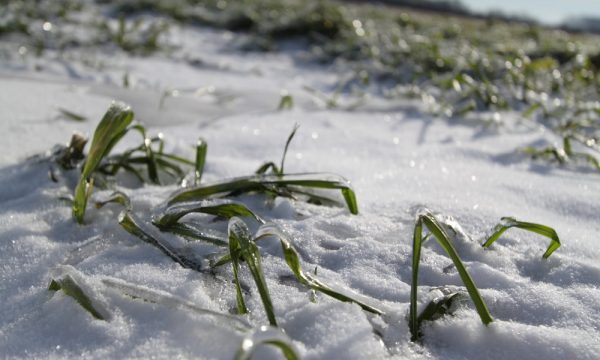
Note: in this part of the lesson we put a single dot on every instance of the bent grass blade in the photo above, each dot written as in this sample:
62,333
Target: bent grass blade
107,134
438,232
266,335
170,300
134,227
293,261
70,287
265,184
241,246
217,207
510,222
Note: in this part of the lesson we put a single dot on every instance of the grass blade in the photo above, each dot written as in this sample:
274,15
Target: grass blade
70,287
108,132
242,245
217,207
194,232
134,227
117,197
285,149
293,261
266,335
201,150
509,222
438,232
163,298
268,183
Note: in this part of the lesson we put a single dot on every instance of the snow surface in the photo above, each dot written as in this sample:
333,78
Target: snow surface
398,159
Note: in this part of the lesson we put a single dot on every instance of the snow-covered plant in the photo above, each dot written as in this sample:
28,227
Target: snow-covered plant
425,218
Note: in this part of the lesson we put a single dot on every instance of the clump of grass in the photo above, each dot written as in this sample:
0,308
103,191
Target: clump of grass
100,166
563,155
111,129
510,222
70,287
242,247
425,218
265,335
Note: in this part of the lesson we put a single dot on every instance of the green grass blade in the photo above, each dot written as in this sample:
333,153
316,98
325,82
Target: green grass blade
266,335
235,255
70,287
285,149
443,239
218,207
134,227
293,261
266,166
194,232
201,150
240,235
117,197
266,183
509,222
108,132
150,159
71,115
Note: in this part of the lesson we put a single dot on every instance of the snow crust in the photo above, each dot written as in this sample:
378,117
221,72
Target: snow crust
398,159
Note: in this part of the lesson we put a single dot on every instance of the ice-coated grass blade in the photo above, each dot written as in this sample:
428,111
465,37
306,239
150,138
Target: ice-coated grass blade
170,300
219,207
266,335
510,222
134,227
70,287
110,130
242,246
201,150
67,114
427,219
194,232
269,184
293,261
117,197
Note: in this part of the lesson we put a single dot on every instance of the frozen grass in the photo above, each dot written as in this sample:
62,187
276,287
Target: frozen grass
509,222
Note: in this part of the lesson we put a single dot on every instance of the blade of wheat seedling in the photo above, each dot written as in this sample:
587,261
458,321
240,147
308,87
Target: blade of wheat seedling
71,115
285,149
70,287
194,232
286,102
240,237
235,255
108,132
293,261
117,197
218,207
134,227
266,183
201,149
150,160
163,298
266,335
509,222
266,167
427,219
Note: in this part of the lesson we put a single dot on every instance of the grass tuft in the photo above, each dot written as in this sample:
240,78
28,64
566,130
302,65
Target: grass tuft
425,218
111,129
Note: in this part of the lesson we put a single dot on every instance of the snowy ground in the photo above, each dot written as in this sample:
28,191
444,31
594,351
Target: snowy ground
398,160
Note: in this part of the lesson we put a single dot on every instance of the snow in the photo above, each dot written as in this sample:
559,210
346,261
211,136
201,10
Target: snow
398,159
